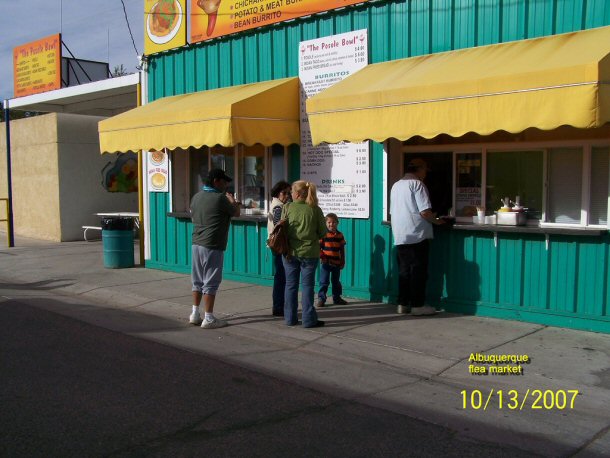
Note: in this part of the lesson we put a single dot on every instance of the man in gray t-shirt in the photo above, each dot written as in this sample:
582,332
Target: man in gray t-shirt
211,209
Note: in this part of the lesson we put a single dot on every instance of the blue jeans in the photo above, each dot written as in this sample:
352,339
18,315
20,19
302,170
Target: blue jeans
305,268
328,274
279,284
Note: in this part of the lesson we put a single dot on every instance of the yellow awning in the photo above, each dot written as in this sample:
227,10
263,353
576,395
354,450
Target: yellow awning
265,113
544,83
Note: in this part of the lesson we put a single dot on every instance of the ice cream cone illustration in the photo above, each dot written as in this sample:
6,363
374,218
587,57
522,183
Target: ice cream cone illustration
210,7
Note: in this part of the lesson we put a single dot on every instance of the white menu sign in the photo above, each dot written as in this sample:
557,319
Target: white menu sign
340,171
158,171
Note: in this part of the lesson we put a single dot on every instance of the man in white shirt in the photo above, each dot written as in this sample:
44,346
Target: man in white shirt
412,220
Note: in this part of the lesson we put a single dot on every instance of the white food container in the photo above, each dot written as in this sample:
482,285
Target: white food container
512,218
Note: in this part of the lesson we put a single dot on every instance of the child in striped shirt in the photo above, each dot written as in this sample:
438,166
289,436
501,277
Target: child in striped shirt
332,260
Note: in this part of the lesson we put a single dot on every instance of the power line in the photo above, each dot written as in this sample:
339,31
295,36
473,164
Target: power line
129,28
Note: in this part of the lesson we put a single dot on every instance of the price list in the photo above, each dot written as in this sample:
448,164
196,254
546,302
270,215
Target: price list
36,66
340,171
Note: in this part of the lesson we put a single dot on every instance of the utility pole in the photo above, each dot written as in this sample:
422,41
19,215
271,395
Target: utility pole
9,180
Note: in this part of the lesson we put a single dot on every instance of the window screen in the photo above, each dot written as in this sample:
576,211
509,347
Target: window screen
600,165
565,185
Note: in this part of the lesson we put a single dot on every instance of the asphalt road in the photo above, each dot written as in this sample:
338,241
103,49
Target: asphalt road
75,389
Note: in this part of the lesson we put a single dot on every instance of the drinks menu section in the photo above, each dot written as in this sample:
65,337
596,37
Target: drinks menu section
37,66
340,171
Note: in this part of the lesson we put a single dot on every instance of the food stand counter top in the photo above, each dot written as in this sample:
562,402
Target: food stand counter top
531,229
243,217
582,231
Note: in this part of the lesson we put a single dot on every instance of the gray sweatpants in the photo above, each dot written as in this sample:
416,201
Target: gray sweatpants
206,269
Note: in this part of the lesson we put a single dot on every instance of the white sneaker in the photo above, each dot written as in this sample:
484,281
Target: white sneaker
425,310
195,318
402,309
213,324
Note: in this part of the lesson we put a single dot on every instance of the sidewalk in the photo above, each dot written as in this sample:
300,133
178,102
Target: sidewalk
415,366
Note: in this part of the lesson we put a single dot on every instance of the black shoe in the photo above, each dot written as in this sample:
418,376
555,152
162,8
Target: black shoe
339,301
318,324
278,313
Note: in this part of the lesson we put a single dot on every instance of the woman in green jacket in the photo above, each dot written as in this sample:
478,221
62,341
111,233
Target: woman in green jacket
306,226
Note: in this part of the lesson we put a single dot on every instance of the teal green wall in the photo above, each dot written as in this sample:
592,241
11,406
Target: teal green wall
566,285
518,280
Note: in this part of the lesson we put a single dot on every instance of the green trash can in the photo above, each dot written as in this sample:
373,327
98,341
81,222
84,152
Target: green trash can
117,241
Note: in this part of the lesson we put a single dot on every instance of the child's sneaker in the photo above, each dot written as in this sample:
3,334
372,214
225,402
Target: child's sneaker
195,319
339,301
213,324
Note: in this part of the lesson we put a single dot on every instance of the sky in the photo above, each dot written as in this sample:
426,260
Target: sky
91,29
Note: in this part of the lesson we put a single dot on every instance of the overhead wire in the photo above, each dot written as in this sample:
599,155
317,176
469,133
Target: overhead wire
129,27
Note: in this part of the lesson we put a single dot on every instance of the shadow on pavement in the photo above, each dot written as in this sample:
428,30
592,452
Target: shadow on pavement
43,285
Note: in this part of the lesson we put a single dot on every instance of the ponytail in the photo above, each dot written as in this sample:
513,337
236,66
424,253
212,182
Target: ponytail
308,190
312,197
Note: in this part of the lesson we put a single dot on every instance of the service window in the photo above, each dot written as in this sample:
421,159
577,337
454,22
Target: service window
254,170
222,157
600,185
515,173
252,177
279,165
439,179
189,169
565,167
556,184
468,184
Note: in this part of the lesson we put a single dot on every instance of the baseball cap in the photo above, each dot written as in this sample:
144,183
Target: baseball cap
218,174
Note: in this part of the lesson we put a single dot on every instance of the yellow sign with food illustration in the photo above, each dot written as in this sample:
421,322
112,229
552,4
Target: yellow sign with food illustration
215,18
164,25
158,171
37,66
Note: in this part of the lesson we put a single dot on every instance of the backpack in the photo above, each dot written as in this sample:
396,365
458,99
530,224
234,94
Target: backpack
278,239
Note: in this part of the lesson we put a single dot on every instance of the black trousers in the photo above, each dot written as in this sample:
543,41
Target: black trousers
412,273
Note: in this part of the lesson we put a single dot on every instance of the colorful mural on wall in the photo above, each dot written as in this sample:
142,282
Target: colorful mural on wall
122,174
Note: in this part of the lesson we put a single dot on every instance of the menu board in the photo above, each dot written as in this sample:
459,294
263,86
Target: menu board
215,18
340,171
37,66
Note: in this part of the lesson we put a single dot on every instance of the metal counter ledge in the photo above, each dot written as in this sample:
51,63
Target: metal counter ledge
580,231
243,217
